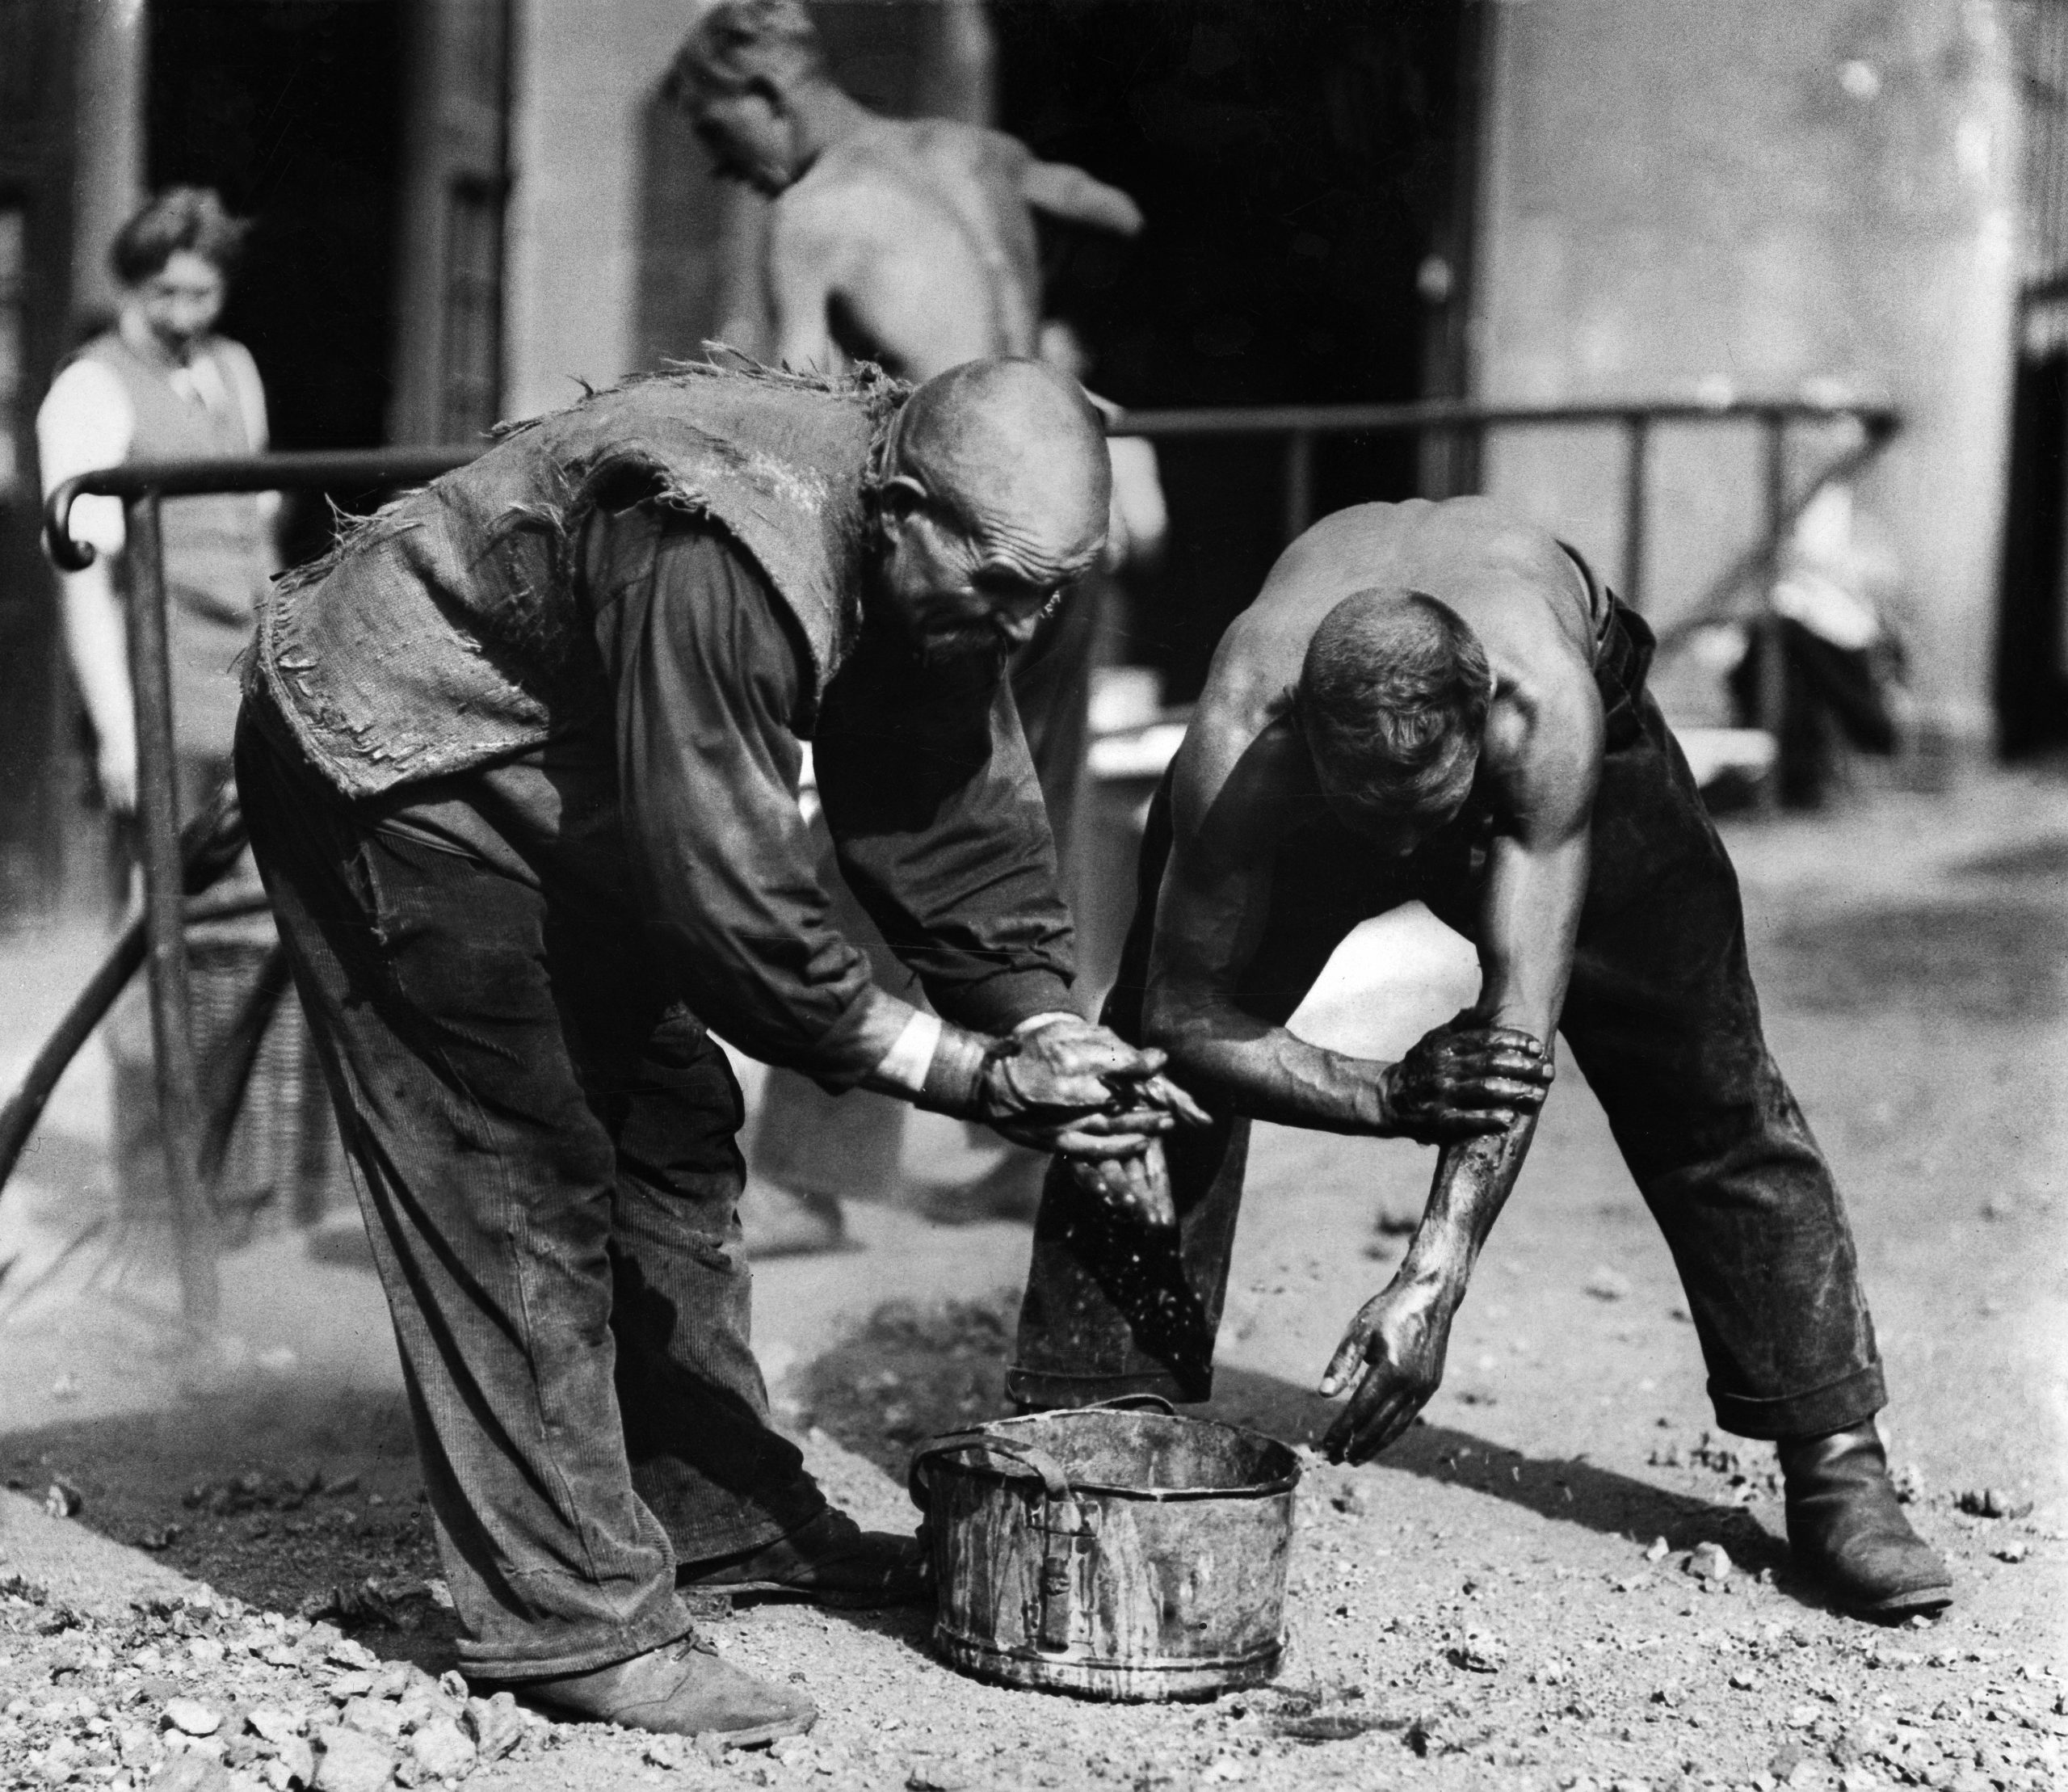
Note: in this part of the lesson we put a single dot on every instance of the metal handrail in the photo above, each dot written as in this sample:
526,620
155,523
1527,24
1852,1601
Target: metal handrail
362,469
144,485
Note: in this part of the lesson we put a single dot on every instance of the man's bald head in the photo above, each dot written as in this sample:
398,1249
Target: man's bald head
1393,701
991,496
1009,450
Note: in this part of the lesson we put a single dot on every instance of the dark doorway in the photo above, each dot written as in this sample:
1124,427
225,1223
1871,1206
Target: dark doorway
294,114
2032,652
1304,169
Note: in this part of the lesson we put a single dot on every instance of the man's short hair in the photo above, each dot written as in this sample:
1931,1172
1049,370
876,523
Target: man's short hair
738,42
1392,699
181,217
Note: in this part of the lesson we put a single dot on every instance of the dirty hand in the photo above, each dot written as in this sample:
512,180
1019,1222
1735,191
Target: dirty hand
1461,1079
1082,1090
1137,1188
1400,1336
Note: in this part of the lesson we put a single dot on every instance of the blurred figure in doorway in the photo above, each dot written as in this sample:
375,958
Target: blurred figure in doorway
1843,680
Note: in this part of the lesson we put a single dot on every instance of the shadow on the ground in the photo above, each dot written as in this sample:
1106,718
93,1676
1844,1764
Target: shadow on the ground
283,1493
909,1373
1570,1490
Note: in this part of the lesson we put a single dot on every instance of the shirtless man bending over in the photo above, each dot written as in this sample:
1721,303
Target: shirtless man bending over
1437,701
910,243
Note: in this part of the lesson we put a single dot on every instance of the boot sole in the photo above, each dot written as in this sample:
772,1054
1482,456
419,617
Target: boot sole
1922,1600
760,1736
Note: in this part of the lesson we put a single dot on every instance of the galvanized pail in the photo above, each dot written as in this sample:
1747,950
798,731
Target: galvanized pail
1120,1555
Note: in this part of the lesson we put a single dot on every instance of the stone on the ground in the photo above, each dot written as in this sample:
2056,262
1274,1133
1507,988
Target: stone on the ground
275,1725
497,1725
298,1761
1659,1550
192,1774
373,1717
1606,1284
193,1717
1710,1561
1481,1651
442,1751
352,1761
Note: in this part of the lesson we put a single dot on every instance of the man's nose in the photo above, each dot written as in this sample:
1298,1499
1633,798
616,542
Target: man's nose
1017,630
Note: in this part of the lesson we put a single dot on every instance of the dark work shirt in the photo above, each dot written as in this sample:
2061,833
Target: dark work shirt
928,793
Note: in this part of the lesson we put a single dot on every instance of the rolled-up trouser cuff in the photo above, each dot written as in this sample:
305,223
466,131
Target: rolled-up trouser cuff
666,1620
1837,1406
1041,1390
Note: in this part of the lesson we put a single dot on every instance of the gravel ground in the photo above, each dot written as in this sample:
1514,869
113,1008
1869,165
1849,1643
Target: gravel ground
1562,1579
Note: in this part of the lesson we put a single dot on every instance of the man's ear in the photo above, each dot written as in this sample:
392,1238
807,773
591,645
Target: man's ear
769,93
901,495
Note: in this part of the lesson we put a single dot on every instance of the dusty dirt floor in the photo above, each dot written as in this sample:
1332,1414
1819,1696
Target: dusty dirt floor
247,1586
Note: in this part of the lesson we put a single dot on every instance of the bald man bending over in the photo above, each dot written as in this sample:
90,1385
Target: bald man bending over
1438,702
520,767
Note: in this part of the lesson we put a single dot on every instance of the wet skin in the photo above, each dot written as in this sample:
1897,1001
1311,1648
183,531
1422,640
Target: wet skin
1245,776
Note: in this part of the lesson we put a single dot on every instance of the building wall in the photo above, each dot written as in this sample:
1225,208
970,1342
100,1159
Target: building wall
1762,197
583,76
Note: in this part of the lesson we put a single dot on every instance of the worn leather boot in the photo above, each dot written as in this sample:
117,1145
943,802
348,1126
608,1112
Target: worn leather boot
681,1688
1845,1527
831,1561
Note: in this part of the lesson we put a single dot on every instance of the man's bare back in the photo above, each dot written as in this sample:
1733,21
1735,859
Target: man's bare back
907,242
1510,582
910,244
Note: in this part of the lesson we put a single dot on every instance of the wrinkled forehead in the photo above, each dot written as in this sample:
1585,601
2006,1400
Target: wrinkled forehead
1036,500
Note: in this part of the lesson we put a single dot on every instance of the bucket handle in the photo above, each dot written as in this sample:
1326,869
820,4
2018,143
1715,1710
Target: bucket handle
1057,1543
1132,1403
1054,1481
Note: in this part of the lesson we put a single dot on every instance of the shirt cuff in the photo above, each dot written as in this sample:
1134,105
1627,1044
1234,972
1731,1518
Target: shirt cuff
1053,1015
1000,1004
905,1066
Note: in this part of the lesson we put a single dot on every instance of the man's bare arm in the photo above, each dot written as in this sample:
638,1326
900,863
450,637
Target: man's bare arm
802,259
1072,194
1536,887
1229,801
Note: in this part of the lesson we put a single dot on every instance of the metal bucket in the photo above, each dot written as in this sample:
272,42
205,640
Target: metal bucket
1119,1554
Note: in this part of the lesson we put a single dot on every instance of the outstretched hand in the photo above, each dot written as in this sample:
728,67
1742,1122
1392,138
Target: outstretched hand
1081,1090
1462,1080
1399,1338
1138,1187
